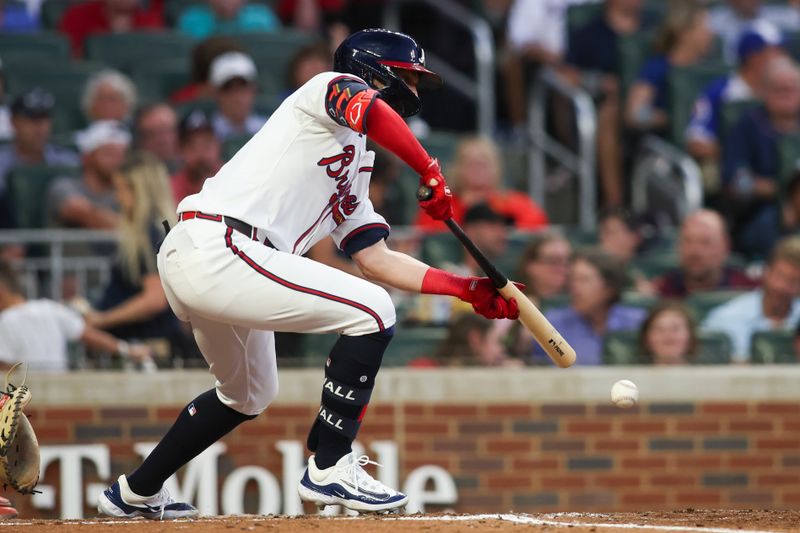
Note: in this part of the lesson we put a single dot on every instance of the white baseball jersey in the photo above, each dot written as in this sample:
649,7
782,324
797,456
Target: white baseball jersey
305,174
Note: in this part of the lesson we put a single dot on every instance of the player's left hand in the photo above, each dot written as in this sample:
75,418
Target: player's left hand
487,302
440,204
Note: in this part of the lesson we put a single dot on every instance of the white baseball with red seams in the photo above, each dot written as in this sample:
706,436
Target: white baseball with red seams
624,393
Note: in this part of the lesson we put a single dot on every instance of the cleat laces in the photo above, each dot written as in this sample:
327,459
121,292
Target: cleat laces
361,479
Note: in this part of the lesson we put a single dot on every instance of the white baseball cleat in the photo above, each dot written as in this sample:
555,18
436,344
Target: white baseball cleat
347,484
119,501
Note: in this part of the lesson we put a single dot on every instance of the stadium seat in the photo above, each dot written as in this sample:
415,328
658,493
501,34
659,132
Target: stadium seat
27,192
714,348
580,15
411,343
231,146
703,302
633,52
441,145
656,263
554,302
767,347
685,85
272,53
440,248
637,299
126,51
43,44
156,80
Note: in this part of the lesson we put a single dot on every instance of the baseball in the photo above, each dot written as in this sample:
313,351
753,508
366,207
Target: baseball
624,394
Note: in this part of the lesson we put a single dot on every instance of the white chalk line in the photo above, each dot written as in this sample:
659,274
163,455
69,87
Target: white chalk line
505,517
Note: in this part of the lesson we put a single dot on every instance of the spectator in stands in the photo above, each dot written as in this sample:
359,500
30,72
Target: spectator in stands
471,341
476,178
203,54
234,77
668,335
619,234
90,201
31,114
751,164
200,151
316,16
307,63
37,332
758,45
156,129
596,281
16,17
704,249
226,17
775,306
134,305
109,95
593,62
106,16
683,41
729,21
544,266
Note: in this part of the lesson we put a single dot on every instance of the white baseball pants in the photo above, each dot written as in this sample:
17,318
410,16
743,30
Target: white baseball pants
236,291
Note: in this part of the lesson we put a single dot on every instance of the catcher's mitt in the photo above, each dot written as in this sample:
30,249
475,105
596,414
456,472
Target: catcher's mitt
19,449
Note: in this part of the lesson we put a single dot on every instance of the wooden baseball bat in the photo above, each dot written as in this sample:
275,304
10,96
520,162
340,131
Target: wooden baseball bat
551,341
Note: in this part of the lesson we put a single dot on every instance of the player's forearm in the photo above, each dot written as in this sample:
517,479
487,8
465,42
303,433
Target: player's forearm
388,129
380,264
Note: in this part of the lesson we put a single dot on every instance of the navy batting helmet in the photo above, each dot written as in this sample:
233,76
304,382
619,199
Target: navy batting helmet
373,55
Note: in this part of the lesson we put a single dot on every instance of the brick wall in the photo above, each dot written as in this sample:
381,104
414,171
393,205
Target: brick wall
519,456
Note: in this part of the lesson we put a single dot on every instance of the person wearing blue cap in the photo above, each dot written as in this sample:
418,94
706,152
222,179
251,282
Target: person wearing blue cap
758,45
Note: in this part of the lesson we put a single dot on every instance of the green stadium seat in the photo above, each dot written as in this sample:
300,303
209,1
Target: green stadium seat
43,44
233,145
440,248
127,51
272,53
768,347
27,191
633,52
637,299
714,348
580,238
621,348
441,145
655,264
685,85
411,343
554,302
703,302
580,15
158,79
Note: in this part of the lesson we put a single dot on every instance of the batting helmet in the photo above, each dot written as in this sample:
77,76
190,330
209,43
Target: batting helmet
372,55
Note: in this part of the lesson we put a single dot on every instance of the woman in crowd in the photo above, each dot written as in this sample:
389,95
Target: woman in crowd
544,266
477,178
596,281
134,305
471,341
668,335
683,40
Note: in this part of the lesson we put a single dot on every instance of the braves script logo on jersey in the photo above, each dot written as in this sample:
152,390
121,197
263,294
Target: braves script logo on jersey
336,166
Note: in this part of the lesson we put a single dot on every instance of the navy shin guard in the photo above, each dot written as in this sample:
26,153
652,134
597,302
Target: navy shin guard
349,379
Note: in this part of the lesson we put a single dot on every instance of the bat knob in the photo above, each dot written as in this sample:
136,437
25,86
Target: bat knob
424,193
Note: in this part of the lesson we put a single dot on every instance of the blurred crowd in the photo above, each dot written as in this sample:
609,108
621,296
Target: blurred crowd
112,111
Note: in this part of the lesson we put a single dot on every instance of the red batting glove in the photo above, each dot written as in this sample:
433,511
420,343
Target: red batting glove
480,292
440,204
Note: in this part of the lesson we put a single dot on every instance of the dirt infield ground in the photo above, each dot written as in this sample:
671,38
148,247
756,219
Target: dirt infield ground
696,521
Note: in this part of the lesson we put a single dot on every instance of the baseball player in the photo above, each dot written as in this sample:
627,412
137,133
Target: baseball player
233,267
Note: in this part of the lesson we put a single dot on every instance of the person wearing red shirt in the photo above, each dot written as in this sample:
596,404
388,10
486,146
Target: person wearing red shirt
476,179
106,16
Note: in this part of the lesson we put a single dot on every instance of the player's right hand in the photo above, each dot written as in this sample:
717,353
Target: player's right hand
487,302
440,204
